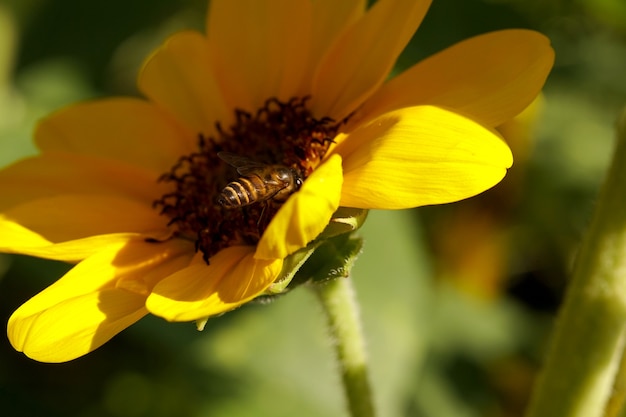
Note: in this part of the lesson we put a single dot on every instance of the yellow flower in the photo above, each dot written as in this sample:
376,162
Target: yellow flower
128,188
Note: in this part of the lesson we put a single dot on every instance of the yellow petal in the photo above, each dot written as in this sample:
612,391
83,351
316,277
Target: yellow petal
57,173
419,156
232,278
305,215
179,77
85,308
124,129
75,327
520,134
15,238
491,77
104,268
143,264
72,216
331,18
261,49
359,61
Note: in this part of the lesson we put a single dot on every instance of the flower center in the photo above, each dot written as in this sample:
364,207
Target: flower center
227,192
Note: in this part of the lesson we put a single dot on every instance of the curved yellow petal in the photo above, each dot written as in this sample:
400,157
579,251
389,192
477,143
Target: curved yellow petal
491,77
71,216
305,215
420,156
360,60
179,77
76,326
232,278
261,49
124,129
56,173
140,265
103,269
93,301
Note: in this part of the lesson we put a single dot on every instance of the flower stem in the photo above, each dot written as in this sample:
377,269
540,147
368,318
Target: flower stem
337,298
588,340
615,405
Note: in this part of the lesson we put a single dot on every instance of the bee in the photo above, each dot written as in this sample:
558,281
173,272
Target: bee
258,183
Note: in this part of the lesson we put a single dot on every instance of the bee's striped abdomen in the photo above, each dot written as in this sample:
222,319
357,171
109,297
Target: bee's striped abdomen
242,192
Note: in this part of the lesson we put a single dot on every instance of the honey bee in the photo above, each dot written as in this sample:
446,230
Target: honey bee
259,182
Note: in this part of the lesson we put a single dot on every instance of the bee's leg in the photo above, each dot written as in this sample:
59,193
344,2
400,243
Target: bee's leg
259,221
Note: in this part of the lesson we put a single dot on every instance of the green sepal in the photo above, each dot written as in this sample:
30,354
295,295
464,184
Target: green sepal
200,323
329,256
344,220
334,258
291,265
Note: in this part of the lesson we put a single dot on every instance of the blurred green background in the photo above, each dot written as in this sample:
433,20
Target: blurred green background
457,300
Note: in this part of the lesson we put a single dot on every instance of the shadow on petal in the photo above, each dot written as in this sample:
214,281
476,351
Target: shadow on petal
95,300
74,327
232,278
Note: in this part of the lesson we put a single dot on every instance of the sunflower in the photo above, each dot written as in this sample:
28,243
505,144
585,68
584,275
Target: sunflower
135,191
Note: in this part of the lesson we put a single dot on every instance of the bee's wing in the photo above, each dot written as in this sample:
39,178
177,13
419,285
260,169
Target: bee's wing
244,165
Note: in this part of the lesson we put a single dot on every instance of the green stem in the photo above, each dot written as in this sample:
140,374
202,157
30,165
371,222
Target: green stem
615,405
342,312
588,339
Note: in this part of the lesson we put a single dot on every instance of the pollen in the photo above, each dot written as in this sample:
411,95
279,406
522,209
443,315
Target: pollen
280,135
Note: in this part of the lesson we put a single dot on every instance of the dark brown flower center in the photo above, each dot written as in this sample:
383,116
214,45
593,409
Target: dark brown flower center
226,192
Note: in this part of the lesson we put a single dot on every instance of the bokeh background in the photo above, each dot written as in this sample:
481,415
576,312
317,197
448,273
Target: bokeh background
457,301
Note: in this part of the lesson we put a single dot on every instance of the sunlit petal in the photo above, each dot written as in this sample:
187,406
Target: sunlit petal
76,315
232,278
75,326
420,156
303,217
106,266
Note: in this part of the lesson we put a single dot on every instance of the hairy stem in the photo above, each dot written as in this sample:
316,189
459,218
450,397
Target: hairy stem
588,340
342,312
